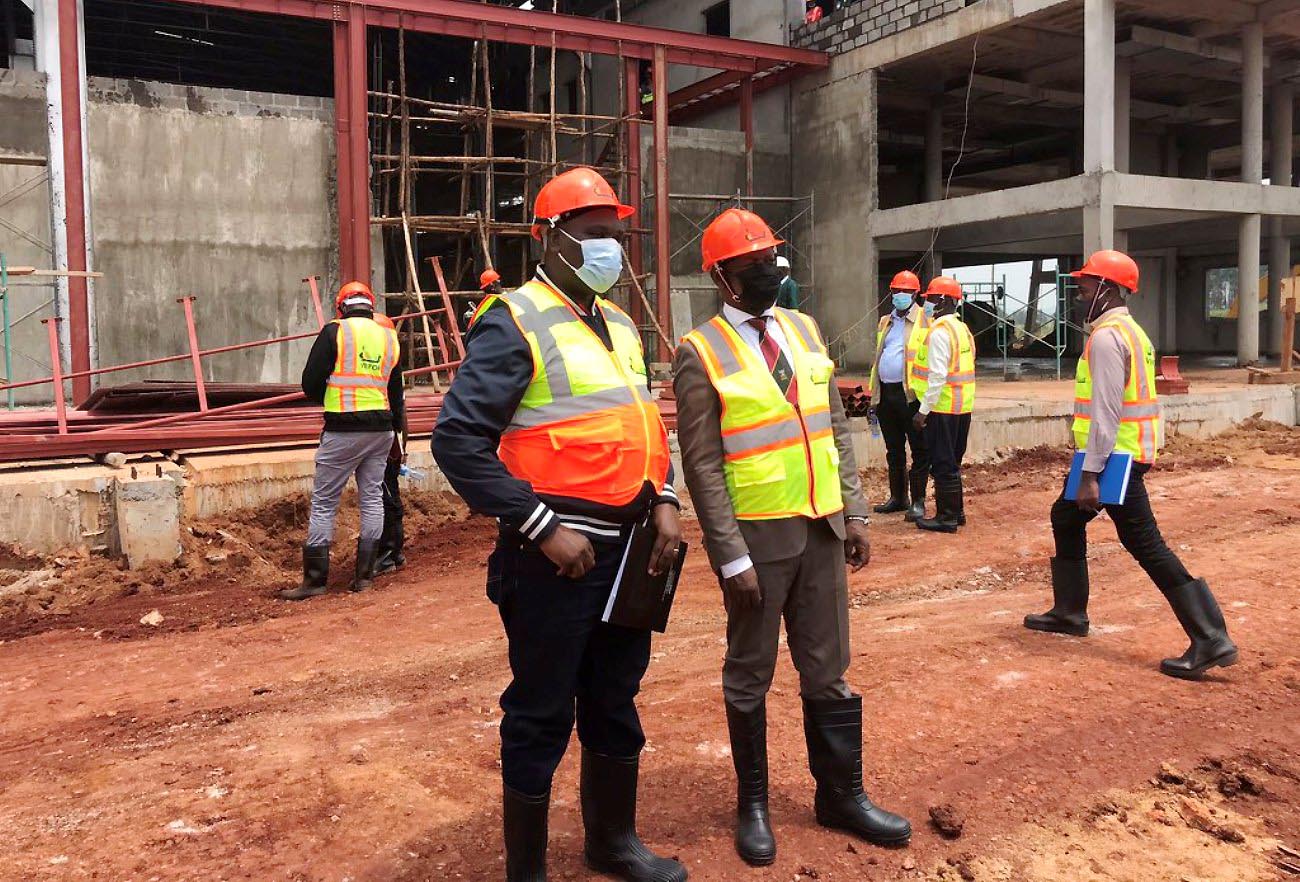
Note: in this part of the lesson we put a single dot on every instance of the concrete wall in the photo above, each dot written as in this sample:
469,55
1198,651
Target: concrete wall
836,163
25,232
223,194
859,22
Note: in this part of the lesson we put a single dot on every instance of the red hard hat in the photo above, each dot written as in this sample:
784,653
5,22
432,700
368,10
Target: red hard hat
489,276
945,285
354,289
1114,266
733,233
575,189
905,281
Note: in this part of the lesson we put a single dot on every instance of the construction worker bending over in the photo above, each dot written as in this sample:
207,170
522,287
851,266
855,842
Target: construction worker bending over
352,371
1116,410
550,427
943,378
899,336
767,454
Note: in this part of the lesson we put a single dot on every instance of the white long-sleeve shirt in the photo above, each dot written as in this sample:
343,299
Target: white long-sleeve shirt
940,349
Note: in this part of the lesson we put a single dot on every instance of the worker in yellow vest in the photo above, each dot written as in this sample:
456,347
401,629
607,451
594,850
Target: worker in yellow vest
768,457
550,427
894,402
943,379
352,372
1116,411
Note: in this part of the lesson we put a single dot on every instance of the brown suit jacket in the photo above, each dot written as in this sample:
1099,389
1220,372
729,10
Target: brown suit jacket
699,433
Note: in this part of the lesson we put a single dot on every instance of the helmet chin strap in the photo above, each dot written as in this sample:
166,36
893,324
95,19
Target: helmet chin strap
722,277
1102,292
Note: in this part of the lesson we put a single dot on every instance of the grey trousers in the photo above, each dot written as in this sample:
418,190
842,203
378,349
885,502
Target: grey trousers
811,592
340,456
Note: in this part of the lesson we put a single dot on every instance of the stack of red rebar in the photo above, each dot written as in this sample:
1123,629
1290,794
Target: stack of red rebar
856,397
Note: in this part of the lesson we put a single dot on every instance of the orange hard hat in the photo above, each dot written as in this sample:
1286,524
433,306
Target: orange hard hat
487,278
384,321
354,289
905,281
733,233
574,190
945,285
1114,266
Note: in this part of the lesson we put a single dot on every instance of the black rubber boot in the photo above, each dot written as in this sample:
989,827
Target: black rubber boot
367,552
833,729
917,511
524,820
1199,614
1069,612
947,507
390,549
754,840
315,573
609,815
897,493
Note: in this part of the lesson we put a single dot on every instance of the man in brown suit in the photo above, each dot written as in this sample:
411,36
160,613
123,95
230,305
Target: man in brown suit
768,458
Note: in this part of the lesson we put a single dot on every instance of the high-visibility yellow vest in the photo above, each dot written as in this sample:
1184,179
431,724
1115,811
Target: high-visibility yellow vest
367,355
958,395
1141,430
781,461
586,427
920,325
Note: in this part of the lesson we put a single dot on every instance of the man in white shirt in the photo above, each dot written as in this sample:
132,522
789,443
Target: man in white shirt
768,457
893,400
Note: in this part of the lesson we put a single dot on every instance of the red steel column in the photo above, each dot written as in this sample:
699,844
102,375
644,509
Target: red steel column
359,147
70,76
663,243
632,99
747,126
343,149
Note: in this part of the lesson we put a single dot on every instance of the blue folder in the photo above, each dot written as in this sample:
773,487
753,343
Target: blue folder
1113,481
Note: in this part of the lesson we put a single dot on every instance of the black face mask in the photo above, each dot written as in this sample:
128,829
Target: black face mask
760,282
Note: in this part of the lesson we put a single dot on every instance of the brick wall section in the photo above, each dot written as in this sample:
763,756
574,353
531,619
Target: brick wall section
859,22
201,99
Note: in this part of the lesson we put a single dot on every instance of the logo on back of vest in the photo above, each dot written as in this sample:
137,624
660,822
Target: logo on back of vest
370,362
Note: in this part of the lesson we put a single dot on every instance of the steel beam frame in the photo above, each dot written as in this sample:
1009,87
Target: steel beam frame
71,81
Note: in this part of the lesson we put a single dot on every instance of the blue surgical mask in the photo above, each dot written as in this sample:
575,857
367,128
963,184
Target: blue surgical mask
902,301
602,263
929,309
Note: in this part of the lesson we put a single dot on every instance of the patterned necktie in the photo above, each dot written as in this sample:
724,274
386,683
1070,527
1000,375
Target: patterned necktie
777,363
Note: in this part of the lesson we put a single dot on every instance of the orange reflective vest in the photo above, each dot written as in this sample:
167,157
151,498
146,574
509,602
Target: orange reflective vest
586,427
780,460
367,355
1141,429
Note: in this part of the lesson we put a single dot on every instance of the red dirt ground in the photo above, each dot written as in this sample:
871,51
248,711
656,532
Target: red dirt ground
354,737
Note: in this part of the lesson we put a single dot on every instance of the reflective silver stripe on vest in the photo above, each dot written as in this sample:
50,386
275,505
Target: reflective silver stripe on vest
348,347
615,315
717,341
358,382
570,407
539,323
818,422
752,439
797,321
1134,411
961,378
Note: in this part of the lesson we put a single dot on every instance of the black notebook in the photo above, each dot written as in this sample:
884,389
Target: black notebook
640,600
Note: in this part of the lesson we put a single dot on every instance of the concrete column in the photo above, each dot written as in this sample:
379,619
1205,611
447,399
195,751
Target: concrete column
1252,172
1280,173
1123,69
1098,85
1169,302
1099,220
934,172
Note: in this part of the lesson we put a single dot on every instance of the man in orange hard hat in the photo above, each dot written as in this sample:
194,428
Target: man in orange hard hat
550,427
1116,411
894,403
768,457
943,378
392,540
352,371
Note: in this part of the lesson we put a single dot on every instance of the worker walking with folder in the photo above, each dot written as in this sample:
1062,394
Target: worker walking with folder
550,427
1116,411
768,458
943,379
